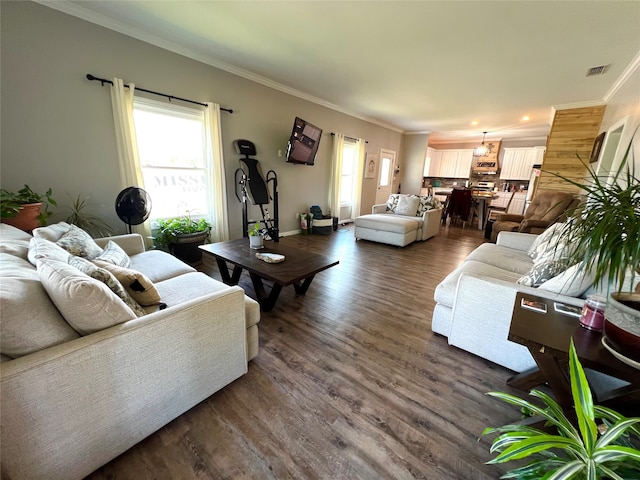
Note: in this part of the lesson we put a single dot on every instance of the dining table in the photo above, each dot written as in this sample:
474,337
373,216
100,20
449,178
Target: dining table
479,197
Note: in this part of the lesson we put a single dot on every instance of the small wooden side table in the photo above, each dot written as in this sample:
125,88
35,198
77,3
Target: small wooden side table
548,336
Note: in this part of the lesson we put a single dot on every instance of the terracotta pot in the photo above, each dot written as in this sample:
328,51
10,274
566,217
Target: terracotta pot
27,217
622,324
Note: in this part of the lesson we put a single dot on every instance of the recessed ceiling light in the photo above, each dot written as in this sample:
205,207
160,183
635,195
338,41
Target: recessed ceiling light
526,118
474,123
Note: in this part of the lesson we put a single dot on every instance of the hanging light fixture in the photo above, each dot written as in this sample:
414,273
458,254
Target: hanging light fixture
484,149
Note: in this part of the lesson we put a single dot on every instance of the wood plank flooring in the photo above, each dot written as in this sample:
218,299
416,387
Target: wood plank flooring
350,382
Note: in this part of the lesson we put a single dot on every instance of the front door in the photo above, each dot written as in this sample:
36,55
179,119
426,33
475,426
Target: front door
385,175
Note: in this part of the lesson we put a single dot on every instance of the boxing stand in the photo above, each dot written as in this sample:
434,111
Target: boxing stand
253,186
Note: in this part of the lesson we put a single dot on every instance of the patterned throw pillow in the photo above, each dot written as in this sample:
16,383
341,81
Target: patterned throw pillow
392,203
542,272
106,277
427,203
114,254
141,289
79,243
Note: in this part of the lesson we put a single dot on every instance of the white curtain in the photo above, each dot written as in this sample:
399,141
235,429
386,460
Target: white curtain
129,163
336,174
357,196
218,198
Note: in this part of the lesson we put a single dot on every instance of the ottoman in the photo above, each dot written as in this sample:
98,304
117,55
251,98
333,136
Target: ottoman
399,230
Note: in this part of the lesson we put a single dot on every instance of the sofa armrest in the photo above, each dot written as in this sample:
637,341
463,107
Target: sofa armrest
131,243
71,408
532,226
481,319
516,240
509,217
379,208
431,223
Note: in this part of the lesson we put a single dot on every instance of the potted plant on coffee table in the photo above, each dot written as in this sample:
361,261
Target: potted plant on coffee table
25,209
256,239
181,237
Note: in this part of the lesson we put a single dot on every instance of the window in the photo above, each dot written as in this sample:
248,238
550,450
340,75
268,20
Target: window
349,162
173,159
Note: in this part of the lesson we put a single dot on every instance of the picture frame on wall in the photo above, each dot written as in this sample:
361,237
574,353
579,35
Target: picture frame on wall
370,165
597,146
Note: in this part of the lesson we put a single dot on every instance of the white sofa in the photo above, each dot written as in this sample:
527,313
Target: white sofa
72,402
404,219
474,303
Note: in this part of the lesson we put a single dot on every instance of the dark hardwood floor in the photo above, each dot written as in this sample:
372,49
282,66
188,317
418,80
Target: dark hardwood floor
350,382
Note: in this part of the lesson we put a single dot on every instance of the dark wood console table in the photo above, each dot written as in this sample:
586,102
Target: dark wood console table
298,269
547,336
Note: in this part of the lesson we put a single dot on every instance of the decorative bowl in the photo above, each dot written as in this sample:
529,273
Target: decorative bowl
622,325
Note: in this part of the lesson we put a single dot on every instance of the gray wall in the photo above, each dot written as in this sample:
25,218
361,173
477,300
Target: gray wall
415,151
57,127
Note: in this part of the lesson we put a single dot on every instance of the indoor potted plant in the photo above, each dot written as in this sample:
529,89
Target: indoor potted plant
181,237
256,240
25,209
600,443
90,223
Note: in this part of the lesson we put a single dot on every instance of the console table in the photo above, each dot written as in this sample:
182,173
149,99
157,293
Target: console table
547,336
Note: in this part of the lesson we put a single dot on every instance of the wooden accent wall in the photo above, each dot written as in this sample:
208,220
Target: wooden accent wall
572,133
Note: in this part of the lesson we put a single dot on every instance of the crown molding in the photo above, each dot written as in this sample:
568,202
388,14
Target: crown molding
588,103
622,79
83,13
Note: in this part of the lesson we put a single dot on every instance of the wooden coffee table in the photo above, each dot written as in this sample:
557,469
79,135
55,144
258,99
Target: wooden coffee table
298,268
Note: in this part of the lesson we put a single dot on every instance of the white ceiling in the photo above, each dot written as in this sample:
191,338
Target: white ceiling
416,66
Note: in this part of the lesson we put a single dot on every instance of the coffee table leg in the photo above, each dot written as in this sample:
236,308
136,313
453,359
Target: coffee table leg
301,288
266,302
232,279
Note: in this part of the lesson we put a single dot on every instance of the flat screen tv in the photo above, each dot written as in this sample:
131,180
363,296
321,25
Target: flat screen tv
303,143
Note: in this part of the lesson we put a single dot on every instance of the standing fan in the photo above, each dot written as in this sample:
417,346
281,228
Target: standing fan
133,206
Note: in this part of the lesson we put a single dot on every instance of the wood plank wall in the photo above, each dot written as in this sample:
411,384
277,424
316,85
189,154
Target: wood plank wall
572,133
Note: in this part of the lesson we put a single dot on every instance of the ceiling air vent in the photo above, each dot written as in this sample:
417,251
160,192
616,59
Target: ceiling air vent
601,70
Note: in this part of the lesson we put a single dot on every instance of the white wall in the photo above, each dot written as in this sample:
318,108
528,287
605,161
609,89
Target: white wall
57,127
415,151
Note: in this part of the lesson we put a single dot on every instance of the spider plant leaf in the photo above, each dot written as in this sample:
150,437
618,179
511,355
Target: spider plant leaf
565,428
614,432
533,445
582,400
567,471
616,452
534,470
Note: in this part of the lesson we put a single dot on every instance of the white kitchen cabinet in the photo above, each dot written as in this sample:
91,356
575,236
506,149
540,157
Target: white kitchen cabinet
518,162
432,163
449,163
518,203
500,199
464,162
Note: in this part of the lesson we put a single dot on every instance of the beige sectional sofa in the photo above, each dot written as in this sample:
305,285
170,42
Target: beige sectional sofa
78,389
404,219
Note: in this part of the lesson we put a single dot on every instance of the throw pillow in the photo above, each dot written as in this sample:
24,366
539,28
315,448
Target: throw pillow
392,202
41,248
542,272
542,241
52,232
30,322
427,203
407,205
136,283
85,303
79,243
106,277
114,254
573,282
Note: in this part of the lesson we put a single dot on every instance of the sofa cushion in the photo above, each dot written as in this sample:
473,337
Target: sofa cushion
115,255
109,279
30,322
407,205
79,243
14,241
158,265
40,247
136,283
445,292
502,257
392,202
428,203
388,222
541,272
177,290
85,303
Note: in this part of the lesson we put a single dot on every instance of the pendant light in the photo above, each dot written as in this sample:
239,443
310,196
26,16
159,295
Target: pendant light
483,150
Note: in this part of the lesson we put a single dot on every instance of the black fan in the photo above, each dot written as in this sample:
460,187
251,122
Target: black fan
133,206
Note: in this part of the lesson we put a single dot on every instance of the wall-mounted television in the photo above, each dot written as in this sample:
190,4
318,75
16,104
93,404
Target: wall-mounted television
303,143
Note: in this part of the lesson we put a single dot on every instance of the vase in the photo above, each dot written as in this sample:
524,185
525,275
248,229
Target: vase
622,324
256,242
27,217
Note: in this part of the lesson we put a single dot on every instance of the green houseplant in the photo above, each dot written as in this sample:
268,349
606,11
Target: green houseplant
181,237
586,450
25,209
256,240
90,223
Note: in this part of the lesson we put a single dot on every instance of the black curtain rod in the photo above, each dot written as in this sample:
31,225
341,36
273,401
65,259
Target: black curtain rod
170,97
350,138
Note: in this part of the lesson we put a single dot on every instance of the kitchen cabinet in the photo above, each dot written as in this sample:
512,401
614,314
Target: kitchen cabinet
464,162
432,163
518,162
518,203
454,163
